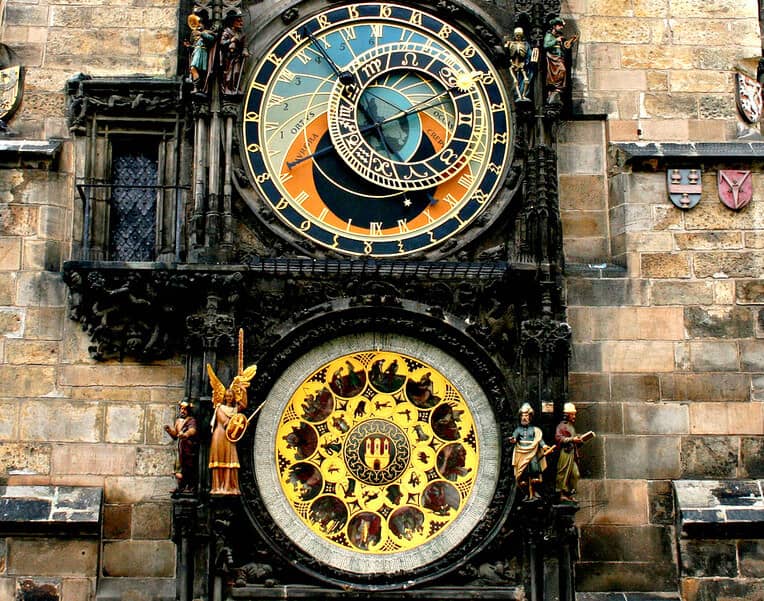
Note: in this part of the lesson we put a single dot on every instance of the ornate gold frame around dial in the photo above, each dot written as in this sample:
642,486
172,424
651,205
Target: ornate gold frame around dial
377,453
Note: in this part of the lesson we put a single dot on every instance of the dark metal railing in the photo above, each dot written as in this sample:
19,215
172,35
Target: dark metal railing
85,193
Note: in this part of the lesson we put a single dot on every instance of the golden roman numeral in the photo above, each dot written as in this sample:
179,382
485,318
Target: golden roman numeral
452,202
286,75
466,180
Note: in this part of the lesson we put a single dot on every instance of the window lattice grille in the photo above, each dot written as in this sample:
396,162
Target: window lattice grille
133,209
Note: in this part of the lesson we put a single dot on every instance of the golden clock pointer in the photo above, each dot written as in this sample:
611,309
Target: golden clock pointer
417,108
420,106
346,77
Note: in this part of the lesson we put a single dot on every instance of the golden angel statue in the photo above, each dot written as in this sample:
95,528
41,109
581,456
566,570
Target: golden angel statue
228,426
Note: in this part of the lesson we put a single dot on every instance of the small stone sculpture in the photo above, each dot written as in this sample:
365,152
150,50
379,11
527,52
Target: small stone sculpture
522,63
529,456
200,41
568,442
233,53
185,433
555,45
224,459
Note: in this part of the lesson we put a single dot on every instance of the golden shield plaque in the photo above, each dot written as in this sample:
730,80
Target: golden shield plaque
236,427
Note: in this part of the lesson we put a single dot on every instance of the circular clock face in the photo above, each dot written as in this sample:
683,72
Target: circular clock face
376,129
370,450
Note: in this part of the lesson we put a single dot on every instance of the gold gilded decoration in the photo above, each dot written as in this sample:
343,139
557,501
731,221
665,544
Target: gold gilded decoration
377,452
228,425
10,91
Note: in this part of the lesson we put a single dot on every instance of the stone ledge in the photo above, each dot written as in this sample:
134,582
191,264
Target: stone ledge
50,510
138,589
41,154
720,508
315,593
631,151
627,597
595,270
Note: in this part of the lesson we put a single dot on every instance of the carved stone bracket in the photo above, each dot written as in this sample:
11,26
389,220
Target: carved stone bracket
187,515
539,230
536,13
215,326
137,97
545,335
157,311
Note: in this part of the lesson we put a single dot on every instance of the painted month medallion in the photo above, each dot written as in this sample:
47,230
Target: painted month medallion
376,455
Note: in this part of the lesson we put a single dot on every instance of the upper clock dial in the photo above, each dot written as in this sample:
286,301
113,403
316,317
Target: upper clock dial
376,129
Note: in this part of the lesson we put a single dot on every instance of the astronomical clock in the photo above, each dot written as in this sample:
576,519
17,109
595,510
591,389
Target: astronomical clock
386,134
376,130
370,198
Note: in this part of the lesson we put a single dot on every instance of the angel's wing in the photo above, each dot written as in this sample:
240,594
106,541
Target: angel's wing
218,390
247,375
241,383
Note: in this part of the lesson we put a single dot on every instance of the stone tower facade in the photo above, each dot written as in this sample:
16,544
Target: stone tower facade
663,304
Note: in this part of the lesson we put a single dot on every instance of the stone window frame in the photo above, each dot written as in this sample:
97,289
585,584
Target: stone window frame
103,111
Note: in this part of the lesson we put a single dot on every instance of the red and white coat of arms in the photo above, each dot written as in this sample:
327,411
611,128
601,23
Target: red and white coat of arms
735,188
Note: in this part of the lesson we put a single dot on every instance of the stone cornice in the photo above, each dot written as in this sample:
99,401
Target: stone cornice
674,152
29,154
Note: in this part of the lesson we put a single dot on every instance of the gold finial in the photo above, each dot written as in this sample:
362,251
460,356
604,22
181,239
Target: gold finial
240,363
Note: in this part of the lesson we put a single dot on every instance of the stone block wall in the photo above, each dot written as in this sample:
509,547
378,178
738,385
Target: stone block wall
667,367
67,420
663,69
583,185
665,304
56,39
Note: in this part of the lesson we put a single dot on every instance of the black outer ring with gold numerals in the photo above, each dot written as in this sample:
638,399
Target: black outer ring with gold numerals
405,321
395,232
